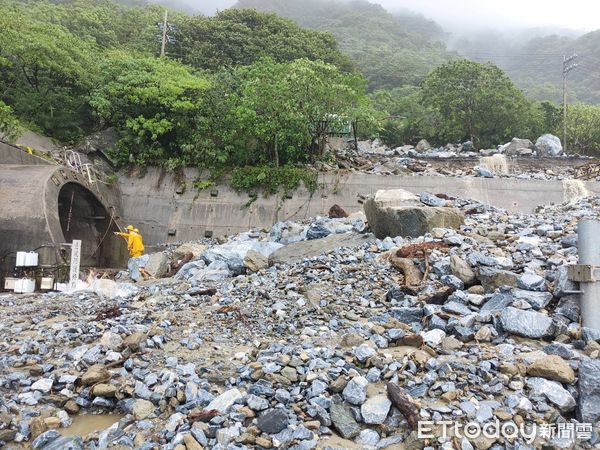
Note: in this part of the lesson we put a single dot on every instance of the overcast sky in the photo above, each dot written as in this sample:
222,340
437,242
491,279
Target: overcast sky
498,14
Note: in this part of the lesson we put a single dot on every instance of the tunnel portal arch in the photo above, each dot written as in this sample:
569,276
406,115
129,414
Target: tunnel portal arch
82,216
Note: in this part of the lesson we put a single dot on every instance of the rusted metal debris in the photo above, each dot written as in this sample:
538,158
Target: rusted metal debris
108,313
203,416
419,250
337,212
405,404
208,291
588,171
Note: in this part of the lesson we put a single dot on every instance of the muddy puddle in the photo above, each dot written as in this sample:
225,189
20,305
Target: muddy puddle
85,424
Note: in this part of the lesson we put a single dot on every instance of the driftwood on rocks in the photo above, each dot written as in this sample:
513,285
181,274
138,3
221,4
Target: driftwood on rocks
412,274
405,404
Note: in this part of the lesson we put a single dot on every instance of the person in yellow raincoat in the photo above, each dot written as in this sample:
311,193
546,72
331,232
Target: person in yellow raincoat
137,260
129,237
137,244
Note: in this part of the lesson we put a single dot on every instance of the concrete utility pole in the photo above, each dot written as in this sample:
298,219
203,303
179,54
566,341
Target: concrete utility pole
566,69
164,35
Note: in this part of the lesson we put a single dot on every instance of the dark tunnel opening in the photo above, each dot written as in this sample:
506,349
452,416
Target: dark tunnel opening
83,217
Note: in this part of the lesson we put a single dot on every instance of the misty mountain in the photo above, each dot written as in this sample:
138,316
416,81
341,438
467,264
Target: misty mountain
390,50
535,64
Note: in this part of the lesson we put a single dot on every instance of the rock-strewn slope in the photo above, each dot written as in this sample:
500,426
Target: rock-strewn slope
298,354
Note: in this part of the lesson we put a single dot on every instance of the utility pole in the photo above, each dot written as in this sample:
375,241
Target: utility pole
566,69
164,35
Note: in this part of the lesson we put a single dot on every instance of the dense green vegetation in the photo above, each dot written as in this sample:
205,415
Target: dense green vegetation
583,127
240,88
252,89
463,100
241,37
389,50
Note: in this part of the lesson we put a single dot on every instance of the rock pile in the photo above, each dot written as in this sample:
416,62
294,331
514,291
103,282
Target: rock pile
254,345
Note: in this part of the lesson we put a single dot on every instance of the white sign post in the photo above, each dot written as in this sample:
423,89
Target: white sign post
75,261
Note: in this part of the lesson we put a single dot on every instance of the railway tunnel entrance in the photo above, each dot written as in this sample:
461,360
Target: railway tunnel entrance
82,216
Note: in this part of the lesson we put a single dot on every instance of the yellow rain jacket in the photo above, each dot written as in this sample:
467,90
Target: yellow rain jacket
128,237
137,245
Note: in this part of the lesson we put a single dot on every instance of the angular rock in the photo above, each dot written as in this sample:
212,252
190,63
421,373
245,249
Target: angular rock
255,261
423,146
44,439
538,300
343,421
491,278
531,282
409,221
514,147
364,352
569,307
461,269
527,323
43,385
375,409
553,391
407,314
142,409
297,251
497,303
588,410
552,367
66,443
273,421
158,264
195,249
562,284
225,401
355,391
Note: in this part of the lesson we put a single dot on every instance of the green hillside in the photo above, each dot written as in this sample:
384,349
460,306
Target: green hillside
389,50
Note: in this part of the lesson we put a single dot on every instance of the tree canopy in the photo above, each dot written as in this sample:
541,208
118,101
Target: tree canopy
476,102
235,38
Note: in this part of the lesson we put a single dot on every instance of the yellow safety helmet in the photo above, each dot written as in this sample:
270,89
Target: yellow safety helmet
130,227
136,230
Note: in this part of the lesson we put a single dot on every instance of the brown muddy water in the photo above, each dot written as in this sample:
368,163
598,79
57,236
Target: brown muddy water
85,424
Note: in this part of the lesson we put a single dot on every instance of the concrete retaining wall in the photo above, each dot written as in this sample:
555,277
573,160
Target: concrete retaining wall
153,204
10,154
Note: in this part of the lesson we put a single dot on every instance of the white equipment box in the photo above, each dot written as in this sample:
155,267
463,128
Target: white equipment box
24,286
9,283
27,259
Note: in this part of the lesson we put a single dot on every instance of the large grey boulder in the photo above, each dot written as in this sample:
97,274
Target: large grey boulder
400,213
549,145
158,264
527,323
297,251
514,147
423,146
589,391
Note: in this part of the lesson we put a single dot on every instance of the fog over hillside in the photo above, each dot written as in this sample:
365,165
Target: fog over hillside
455,15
